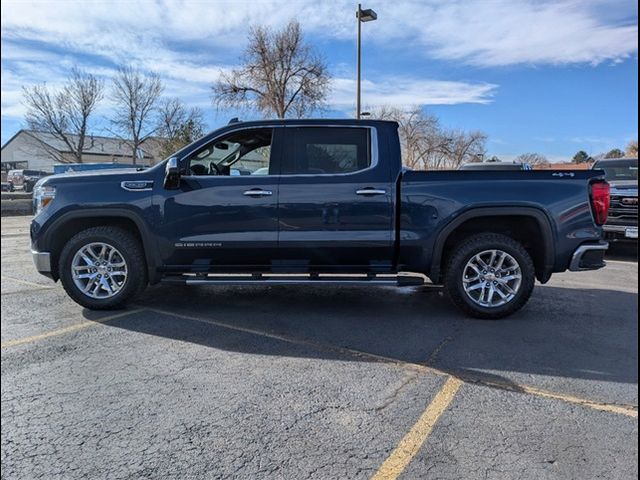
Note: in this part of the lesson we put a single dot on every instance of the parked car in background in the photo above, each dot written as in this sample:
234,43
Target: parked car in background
622,175
24,179
7,187
495,166
335,200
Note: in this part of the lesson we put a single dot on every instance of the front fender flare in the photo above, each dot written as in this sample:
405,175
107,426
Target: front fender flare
148,243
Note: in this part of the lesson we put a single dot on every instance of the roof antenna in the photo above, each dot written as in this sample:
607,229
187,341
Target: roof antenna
234,120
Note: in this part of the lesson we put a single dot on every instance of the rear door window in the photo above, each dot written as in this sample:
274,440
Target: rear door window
327,151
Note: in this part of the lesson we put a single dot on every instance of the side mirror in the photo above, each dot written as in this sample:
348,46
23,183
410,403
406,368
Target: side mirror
172,174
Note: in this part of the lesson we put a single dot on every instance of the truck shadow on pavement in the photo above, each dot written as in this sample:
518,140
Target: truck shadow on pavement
624,251
562,332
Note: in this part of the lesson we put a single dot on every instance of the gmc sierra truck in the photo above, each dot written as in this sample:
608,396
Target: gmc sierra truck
622,176
326,200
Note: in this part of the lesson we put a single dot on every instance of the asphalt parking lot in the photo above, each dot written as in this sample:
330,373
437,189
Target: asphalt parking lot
351,382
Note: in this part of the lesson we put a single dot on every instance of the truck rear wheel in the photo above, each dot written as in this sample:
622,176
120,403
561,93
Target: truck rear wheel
489,276
102,268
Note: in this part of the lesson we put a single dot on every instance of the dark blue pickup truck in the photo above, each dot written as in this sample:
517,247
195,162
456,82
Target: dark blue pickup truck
327,200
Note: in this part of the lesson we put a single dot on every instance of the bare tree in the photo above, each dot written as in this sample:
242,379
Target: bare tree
428,146
465,147
136,98
632,149
280,75
64,114
533,159
177,125
419,135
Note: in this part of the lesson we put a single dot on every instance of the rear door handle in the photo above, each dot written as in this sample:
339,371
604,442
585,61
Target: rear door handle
256,192
371,191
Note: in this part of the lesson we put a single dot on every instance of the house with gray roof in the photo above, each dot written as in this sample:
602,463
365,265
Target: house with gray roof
29,149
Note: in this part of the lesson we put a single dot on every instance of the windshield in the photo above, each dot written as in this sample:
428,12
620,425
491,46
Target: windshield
619,169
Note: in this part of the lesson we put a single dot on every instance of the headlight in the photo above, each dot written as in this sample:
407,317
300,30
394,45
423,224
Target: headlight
43,196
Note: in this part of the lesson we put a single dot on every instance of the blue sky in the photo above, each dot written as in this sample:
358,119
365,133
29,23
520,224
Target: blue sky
536,76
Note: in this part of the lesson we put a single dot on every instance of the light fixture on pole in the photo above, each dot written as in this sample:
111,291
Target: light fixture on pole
367,15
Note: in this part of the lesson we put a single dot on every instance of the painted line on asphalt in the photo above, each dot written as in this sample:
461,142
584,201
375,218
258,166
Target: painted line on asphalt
464,376
627,410
68,329
604,407
411,443
25,282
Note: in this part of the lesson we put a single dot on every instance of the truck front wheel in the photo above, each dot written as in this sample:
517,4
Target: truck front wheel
489,276
102,267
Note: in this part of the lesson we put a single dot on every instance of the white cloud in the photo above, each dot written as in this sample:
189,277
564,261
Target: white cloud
592,140
188,43
496,33
479,32
405,91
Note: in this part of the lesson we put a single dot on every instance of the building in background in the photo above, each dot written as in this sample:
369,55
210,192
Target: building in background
33,150
564,166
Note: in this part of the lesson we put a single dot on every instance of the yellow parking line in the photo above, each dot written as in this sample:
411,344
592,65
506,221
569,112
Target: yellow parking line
395,464
63,330
24,282
604,407
620,409
477,379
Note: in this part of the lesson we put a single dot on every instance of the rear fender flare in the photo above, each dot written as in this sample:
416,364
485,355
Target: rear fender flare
538,215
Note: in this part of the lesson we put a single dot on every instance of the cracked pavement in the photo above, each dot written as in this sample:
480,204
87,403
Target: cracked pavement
288,382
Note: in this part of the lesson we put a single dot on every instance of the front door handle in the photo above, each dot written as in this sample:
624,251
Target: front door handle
371,191
256,192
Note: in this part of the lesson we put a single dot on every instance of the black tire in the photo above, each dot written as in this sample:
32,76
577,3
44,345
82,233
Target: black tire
131,251
28,187
455,271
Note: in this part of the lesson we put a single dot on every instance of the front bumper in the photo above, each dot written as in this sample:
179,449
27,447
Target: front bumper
42,261
588,257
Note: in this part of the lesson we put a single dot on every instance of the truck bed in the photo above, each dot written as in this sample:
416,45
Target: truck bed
431,200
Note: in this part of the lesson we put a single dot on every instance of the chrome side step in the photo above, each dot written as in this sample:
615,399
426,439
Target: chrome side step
268,279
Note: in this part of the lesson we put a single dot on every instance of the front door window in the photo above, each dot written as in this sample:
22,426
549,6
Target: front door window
247,152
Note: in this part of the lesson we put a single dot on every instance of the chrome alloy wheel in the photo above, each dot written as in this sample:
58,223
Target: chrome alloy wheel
99,270
492,278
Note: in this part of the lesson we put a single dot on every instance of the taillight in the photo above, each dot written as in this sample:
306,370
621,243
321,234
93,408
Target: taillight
600,201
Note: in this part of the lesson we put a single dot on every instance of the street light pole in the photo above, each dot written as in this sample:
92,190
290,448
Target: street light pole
361,16
358,62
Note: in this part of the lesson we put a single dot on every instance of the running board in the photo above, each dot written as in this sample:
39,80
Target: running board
389,281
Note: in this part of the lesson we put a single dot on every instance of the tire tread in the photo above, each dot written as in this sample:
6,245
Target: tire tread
130,247
485,241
